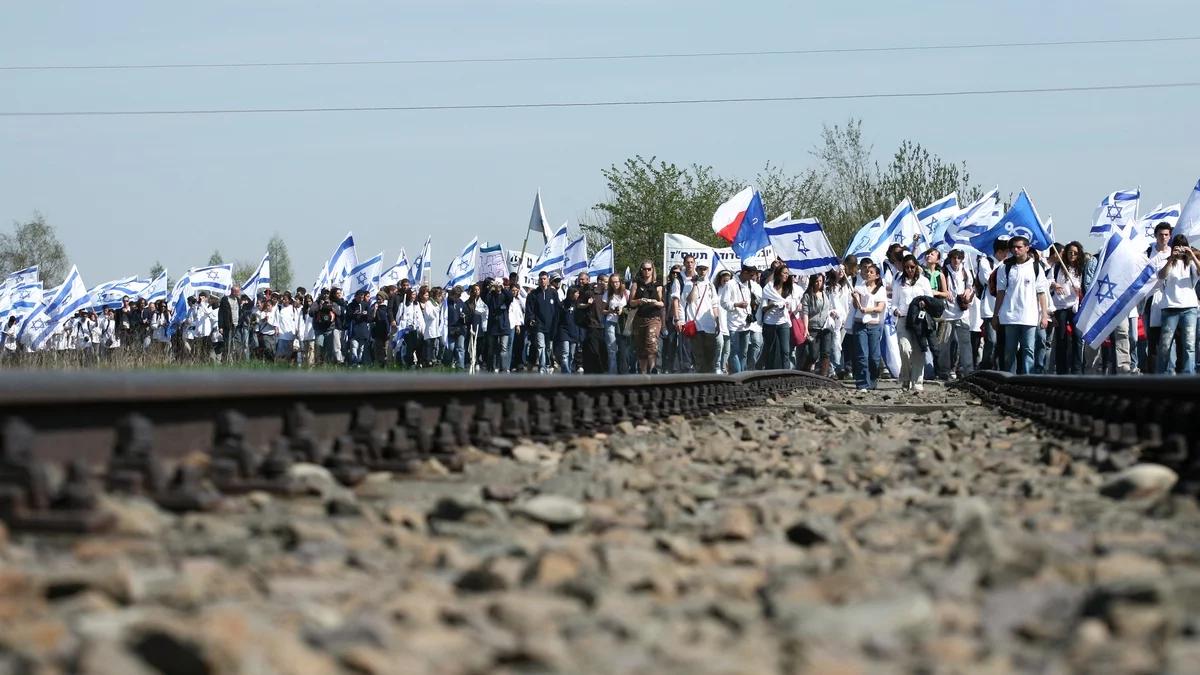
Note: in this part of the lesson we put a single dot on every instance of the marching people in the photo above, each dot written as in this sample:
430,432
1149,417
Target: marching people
818,312
909,291
615,300
778,305
646,297
1020,304
542,310
1179,276
1066,289
957,284
870,302
700,321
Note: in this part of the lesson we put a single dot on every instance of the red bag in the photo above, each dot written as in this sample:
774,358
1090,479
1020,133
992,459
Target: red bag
799,331
1141,328
689,329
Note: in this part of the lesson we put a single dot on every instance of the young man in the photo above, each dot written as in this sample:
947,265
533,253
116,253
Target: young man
541,316
1159,253
1020,305
681,287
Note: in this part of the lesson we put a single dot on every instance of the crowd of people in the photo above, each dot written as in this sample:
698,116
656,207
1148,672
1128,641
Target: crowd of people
913,314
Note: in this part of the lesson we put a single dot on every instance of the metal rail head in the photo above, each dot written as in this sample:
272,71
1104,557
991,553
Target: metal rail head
140,431
1149,418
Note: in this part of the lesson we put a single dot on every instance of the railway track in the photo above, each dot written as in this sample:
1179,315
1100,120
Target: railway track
185,440
1126,420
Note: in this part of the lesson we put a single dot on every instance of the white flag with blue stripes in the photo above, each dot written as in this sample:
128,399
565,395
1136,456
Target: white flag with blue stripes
156,289
1116,211
553,254
365,276
802,246
344,258
602,262
216,279
860,244
977,217
1124,279
392,275
23,277
1160,214
110,294
461,271
261,278
901,227
944,208
20,301
416,271
575,258
1189,216
71,297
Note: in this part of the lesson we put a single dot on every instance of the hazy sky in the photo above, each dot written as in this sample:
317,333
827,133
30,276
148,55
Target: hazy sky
126,191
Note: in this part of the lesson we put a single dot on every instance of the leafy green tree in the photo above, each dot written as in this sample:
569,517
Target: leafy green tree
648,198
34,243
216,259
281,263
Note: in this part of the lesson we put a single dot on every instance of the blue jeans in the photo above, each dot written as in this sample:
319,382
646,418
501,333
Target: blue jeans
754,347
737,350
610,341
1182,321
566,355
541,342
866,355
1022,337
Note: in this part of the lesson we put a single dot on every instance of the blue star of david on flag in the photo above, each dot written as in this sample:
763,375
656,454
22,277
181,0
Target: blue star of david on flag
39,325
214,275
1106,289
1114,212
362,277
800,246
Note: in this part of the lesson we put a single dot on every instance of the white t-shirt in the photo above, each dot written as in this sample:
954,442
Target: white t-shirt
680,289
701,307
957,283
903,294
868,299
1179,287
1021,288
983,272
1068,295
733,292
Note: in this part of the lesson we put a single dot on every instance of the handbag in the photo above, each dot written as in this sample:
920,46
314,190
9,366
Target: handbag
689,329
799,331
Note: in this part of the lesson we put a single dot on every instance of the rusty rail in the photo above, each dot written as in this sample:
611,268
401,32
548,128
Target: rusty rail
138,432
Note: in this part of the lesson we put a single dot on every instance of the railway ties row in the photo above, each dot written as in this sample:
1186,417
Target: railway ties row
351,436
1125,421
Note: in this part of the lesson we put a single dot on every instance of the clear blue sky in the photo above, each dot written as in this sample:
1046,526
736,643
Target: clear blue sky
125,191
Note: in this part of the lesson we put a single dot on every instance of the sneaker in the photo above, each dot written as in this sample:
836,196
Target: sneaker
918,387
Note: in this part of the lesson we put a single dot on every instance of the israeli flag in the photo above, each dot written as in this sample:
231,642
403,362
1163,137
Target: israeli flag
109,295
553,255
861,243
575,258
322,278
178,302
802,246
461,271
939,210
979,216
344,259
1116,212
21,300
602,262
717,264
392,275
1124,279
365,276
216,279
23,277
260,279
1160,214
416,273
50,316
899,228
156,289
1189,218
1021,220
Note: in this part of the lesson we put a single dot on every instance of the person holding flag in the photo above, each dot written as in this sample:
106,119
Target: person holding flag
1179,277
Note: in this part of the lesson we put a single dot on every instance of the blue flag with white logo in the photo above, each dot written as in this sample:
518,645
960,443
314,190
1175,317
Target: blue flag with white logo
1021,220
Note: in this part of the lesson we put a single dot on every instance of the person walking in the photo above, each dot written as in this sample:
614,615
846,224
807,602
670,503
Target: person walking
909,286
1020,305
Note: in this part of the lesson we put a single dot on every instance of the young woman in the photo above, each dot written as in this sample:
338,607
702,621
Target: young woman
957,286
646,297
870,301
837,286
1179,277
721,351
910,285
615,299
777,307
1066,288
816,308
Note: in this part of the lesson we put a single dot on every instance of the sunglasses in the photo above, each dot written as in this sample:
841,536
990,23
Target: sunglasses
647,269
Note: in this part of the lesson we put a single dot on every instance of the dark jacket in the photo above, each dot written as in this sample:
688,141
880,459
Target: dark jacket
456,318
566,330
225,320
542,309
497,301
325,316
924,326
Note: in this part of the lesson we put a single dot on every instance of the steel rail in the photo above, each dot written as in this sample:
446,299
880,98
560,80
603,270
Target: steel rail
1151,418
186,439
